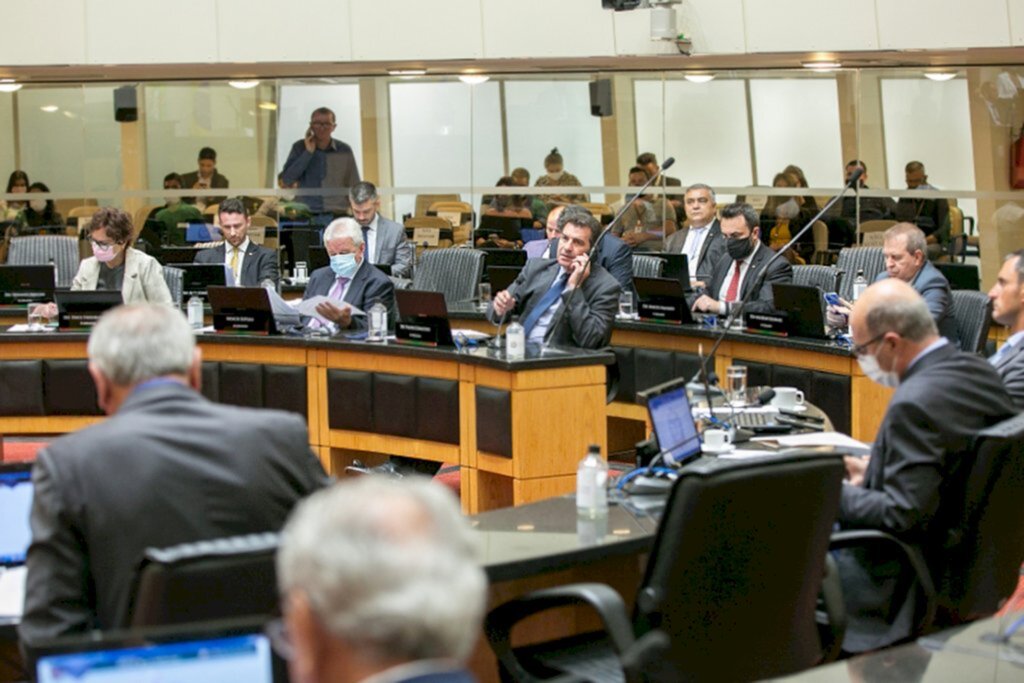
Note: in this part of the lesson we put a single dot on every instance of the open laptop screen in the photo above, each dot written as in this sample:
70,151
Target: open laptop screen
674,426
15,505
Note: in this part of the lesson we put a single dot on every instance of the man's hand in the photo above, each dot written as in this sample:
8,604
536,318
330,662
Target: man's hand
705,304
578,272
855,469
309,141
503,303
342,317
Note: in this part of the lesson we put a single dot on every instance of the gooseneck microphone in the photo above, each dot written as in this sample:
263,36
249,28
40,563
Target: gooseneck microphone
560,313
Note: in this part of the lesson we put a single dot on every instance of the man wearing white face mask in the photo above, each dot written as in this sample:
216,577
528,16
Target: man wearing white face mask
912,484
349,279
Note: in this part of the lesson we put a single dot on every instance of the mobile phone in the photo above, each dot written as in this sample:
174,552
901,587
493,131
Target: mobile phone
832,299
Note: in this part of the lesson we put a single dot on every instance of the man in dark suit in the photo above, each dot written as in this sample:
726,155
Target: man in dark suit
206,177
418,608
250,264
544,287
167,467
913,481
613,255
1007,296
385,240
906,258
701,240
349,281
738,271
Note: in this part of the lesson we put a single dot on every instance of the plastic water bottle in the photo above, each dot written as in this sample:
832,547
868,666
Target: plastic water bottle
378,322
195,312
515,341
859,284
591,485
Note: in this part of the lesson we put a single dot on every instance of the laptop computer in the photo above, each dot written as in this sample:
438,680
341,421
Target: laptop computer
21,285
244,310
804,307
422,308
672,419
81,309
200,231
665,298
189,653
198,276
15,535
502,277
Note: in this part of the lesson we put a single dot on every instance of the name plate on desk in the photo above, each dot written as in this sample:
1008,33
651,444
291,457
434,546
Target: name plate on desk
422,332
243,322
427,236
768,323
666,311
78,320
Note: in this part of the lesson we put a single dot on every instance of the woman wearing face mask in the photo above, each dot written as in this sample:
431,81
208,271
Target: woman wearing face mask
782,217
115,265
39,212
557,176
16,184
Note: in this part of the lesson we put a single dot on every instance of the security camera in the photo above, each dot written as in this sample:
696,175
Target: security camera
621,5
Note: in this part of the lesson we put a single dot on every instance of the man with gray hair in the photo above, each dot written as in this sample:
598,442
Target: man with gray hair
906,258
385,240
912,484
348,281
701,240
379,580
167,467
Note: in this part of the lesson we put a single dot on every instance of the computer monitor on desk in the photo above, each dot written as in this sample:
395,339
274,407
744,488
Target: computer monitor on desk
296,239
200,231
672,419
423,318
22,285
506,227
15,506
242,310
199,276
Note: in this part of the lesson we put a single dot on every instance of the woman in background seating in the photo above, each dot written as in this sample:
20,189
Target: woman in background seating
39,212
16,184
782,217
557,176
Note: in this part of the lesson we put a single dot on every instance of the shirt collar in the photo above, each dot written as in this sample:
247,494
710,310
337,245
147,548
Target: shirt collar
1014,338
935,345
243,247
372,225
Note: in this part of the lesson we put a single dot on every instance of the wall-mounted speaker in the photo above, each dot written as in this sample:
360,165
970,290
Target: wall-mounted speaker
601,97
126,104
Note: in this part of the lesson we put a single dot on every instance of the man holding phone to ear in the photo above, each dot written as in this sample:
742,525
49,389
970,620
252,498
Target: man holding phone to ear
318,161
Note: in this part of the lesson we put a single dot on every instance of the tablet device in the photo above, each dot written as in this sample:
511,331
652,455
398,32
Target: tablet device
804,307
81,309
672,419
22,285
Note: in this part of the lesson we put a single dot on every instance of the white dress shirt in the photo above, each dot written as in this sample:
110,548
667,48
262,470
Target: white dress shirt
743,275
694,243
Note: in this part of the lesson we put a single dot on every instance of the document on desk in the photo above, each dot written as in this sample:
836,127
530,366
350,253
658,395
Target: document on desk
308,306
836,440
12,591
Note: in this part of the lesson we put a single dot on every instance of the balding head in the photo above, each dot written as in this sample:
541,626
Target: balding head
891,320
552,224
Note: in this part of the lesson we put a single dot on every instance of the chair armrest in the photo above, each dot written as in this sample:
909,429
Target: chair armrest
865,537
604,600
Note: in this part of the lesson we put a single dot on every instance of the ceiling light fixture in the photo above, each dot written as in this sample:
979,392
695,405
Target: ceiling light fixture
474,79
244,85
407,72
50,108
699,78
9,85
822,65
269,106
940,76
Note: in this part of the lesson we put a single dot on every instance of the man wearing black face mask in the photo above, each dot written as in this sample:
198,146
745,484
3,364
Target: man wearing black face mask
737,271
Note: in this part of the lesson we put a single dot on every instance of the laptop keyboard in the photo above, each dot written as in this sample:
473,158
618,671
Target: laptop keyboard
746,419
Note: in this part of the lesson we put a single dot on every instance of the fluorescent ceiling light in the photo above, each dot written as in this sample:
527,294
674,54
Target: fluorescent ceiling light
269,106
940,75
244,85
407,72
822,65
474,79
50,108
10,86
699,78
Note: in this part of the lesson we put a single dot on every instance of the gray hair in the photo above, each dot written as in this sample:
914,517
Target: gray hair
916,240
138,342
344,227
701,186
1019,265
362,192
907,317
387,566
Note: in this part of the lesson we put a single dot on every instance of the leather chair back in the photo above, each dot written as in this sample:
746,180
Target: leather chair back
852,259
824,278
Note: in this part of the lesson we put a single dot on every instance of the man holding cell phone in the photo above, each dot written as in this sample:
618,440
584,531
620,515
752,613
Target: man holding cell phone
318,161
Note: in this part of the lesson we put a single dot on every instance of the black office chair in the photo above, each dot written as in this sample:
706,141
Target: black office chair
972,312
647,266
825,278
732,580
455,272
978,564
852,259
204,581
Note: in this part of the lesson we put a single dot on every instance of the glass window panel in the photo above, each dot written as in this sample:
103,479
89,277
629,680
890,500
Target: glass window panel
297,103
7,163
796,121
710,142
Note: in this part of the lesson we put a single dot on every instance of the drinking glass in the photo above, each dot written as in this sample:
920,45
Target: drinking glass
736,384
626,304
483,295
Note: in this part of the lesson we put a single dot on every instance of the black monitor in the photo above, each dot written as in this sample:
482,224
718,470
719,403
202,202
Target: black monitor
960,275
502,277
504,257
662,300
198,276
422,308
22,285
242,310
318,258
804,308
81,309
296,239
507,227
173,256
677,267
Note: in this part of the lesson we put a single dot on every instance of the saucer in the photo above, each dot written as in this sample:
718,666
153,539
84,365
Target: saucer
799,408
717,450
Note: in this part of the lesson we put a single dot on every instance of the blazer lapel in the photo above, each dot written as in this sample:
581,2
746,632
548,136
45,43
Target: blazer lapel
712,233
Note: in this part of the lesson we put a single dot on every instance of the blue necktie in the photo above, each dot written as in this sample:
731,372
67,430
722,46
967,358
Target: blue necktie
546,301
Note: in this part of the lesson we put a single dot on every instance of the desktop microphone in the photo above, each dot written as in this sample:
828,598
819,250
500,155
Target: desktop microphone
765,397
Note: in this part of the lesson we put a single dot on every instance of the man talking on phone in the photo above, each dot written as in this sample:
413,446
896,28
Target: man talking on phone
318,161
546,286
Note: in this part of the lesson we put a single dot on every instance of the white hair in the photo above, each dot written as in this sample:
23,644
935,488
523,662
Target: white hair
344,227
137,342
388,566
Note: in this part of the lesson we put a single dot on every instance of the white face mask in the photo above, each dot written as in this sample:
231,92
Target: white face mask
873,371
38,205
556,176
788,209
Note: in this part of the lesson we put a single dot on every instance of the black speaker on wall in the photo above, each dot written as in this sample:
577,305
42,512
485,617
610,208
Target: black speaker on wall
601,97
126,104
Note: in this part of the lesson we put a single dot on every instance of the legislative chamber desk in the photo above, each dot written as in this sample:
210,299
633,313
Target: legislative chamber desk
517,429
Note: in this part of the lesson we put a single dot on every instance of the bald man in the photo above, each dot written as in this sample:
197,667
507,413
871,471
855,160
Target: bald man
912,483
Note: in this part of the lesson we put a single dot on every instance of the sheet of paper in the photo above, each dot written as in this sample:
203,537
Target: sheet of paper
23,327
744,453
835,439
12,592
308,306
474,335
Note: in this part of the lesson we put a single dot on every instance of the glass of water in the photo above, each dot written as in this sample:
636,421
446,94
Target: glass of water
36,315
483,295
626,304
736,384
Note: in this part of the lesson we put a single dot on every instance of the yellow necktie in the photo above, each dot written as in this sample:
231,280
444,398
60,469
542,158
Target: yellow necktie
234,264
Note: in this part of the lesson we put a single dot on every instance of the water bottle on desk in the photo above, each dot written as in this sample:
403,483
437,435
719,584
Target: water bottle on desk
195,312
591,485
515,341
378,322
860,283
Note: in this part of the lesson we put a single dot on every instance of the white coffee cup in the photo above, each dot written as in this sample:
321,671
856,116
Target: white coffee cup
717,439
788,398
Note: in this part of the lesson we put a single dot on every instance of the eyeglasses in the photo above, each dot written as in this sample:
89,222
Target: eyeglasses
861,349
104,246
280,639
321,124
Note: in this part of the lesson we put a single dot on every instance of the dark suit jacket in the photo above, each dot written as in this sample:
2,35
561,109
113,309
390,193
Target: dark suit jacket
258,265
368,285
588,320
170,467
914,483
1011,370
710,251
934,289
763,300
613,255
392,248
217,182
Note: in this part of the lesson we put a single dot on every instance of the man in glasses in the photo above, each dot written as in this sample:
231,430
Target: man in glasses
379,581
911,484
318,161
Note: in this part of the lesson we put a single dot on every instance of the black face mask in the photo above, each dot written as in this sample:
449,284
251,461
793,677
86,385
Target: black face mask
739,248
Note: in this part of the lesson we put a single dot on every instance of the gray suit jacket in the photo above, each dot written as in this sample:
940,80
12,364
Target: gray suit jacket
710,251
1011,369
588,321
392,248
914,484
259,264
763,301
368,285
170,467
934,289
